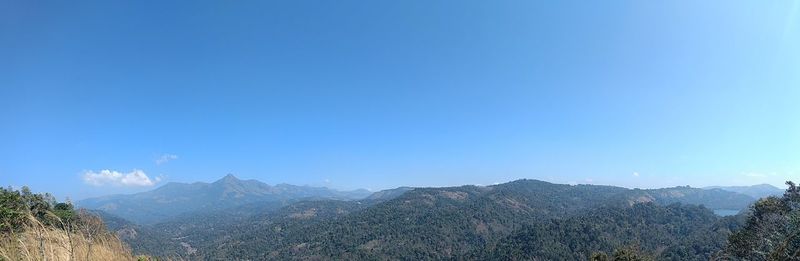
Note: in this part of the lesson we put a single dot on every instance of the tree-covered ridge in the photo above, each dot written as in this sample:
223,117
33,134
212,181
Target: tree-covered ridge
470,222
711,198
203,228
772,231
674,232
467,222
36,227
425,223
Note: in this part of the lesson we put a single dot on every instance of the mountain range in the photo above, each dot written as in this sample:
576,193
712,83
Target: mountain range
173,199
247,219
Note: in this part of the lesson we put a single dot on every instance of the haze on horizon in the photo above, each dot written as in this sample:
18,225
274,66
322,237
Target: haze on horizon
102,97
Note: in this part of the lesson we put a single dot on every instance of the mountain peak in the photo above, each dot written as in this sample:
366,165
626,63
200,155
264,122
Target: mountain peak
228,179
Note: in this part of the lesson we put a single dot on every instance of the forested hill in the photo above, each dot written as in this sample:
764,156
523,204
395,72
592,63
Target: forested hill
470,221
673,232
174,199
452,222
755,191
713,199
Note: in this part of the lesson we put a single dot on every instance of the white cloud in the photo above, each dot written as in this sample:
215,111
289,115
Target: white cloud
135,178
636,174
166,158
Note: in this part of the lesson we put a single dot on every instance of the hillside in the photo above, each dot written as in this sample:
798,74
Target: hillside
198,229
674,232
755,191
174,199
463,222
434,223
451,222
36,227
713,199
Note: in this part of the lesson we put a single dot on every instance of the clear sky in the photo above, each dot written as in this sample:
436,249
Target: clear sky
100,97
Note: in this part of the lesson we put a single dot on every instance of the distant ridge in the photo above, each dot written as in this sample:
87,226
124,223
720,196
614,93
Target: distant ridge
173,199
755,191
389,194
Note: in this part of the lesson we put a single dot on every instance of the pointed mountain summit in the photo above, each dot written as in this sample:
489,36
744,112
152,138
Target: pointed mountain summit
173,199
230,178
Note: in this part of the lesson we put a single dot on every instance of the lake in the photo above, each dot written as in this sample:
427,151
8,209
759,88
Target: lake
726,212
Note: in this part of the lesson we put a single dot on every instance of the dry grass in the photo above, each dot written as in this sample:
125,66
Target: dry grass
39,242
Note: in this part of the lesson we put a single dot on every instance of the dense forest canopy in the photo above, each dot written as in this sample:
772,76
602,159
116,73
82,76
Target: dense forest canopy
772,231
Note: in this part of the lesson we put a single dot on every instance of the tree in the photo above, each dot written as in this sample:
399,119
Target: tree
630,254
12,210
91,227
772,231
66,216
599,256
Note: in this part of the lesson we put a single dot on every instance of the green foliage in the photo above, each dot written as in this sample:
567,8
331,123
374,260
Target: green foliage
675,232
12,210
599,256
772,231
64,211
17,205
630,254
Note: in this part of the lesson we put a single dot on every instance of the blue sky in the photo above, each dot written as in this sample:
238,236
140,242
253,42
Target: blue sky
97,95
